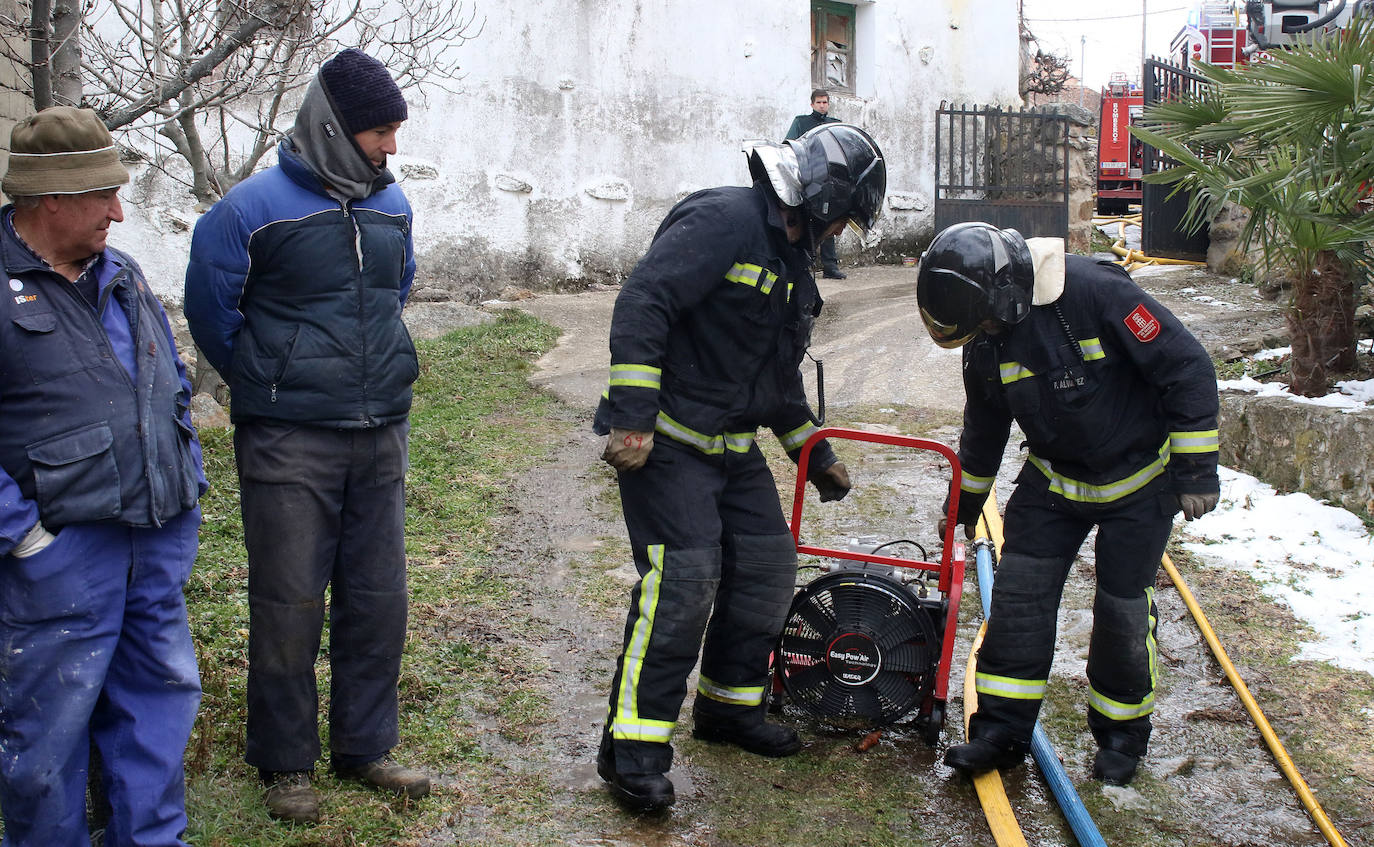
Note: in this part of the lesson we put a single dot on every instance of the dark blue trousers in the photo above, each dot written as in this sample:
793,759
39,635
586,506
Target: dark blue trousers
323,507
95,647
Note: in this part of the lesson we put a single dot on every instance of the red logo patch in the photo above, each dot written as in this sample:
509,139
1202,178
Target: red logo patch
1142,323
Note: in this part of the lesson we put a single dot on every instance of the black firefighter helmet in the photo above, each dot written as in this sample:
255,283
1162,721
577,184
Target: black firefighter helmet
834,172
970,274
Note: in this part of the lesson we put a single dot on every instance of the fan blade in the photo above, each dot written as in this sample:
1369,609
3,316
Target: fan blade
804,683
903,692
815,615
866,703
803,645
835,701
857,606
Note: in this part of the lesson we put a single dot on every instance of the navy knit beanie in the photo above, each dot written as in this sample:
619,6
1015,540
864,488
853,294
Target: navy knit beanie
363,93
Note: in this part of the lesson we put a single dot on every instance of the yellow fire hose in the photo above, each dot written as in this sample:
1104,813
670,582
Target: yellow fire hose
1133,259
1281,756
992,796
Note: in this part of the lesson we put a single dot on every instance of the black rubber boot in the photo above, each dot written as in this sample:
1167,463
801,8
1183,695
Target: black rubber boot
1115,768
981,755
834,272
761,737
637,792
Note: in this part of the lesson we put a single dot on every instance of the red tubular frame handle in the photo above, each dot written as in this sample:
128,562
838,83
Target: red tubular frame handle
956,477
951,565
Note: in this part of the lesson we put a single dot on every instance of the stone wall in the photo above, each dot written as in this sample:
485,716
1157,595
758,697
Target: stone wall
1321,451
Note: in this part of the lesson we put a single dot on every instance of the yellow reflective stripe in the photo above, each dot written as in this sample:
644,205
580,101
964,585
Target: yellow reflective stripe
1092,349
750,695
754,276
627,703
796,438
789,292
1117,710
1012,371
1201,441
737,442
642,730
639,376
1086,492
1010,687
973,484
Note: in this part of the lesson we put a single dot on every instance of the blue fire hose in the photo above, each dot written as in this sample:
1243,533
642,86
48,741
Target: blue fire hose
1069,802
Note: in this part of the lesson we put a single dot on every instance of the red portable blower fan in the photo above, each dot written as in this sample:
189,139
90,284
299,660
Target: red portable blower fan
871,641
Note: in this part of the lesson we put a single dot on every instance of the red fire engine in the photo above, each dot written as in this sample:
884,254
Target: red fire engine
1215,34
1118,153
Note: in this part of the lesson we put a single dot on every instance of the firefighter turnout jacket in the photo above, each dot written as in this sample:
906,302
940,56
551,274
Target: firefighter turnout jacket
710,328
1111,391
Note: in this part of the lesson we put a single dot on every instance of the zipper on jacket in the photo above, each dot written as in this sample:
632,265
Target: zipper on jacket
285,360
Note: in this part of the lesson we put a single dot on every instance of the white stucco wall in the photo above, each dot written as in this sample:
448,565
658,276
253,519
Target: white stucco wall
651,99
640,102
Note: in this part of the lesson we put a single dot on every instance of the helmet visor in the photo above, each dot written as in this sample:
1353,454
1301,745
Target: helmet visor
952,306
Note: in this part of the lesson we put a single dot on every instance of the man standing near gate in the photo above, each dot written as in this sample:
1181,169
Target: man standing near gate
802,124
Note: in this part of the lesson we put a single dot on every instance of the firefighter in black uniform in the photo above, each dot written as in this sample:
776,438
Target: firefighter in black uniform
1118,404
706,340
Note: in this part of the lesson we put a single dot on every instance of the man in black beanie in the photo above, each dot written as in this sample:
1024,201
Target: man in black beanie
294,293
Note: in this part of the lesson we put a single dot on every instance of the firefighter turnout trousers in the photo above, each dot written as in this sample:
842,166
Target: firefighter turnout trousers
1044,532
714,556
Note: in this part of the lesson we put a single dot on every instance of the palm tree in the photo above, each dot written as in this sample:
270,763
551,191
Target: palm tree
1291,139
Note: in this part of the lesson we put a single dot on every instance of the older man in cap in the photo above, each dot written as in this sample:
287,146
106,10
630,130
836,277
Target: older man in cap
294,293
100,472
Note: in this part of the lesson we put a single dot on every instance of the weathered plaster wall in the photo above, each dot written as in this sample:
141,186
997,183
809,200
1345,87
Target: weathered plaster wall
582,122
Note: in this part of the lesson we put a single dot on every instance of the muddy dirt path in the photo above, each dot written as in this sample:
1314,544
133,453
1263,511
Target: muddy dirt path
1207,781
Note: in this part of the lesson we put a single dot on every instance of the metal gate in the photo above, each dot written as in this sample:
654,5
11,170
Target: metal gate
1161,230
1008,168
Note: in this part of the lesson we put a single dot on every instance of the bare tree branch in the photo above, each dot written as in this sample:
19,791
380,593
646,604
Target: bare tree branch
197,70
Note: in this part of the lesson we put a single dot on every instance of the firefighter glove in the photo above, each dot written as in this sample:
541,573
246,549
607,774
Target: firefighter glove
970,530
1196,505
34,541
832,482
628,450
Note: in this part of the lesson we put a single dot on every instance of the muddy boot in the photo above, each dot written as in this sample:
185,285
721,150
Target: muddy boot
637,792
980,755
290,797
1115,768
386,775
755,736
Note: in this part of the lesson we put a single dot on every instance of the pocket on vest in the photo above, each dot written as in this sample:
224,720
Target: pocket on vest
75,476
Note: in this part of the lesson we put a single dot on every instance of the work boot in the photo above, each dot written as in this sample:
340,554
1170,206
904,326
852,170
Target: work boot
385,774
290,797
637,792
980,755
755,736
834,272
1115,768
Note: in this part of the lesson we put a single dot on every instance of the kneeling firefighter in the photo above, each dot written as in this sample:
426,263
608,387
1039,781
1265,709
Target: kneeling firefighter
1118,403
706,340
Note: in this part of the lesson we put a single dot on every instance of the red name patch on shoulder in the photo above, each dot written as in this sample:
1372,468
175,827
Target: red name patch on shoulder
1142,323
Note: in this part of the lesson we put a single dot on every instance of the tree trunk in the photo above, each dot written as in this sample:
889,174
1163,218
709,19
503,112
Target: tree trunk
66,53
1322,324
40,48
